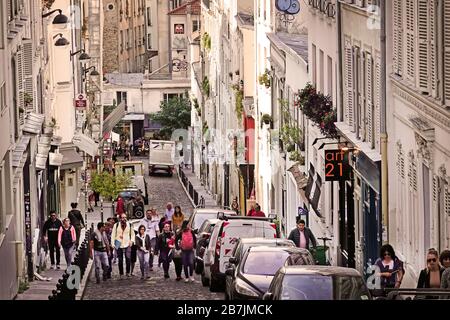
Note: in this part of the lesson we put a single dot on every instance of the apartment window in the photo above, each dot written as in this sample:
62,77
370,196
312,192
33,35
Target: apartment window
121,96
2,98
150,66
321,72
169,96
149,41
330,76
195,25
314,65
149,16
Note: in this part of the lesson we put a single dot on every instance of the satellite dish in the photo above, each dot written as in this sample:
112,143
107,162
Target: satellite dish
294,8
283,5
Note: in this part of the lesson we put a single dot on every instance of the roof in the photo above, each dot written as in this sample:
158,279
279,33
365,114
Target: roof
182,10
321,270
296,44
245,19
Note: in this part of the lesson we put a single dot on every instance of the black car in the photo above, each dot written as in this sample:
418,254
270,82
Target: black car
317,283
203,235
251,278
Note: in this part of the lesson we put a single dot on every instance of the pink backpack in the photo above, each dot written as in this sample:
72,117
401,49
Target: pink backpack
187,240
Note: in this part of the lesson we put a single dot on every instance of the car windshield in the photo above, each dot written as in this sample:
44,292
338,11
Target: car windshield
201,217
264,263
128,194
318,287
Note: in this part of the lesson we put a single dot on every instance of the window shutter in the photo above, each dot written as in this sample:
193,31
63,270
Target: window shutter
377,100
8,10
447,202
433,48
349,82
19,79
423,57
369,98
28,73
447,53
410,41
398,37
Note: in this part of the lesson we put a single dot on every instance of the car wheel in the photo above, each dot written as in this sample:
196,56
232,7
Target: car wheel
139,213
214,285
205,281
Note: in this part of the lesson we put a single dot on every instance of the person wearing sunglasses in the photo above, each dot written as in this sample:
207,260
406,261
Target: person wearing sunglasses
391,268
430,277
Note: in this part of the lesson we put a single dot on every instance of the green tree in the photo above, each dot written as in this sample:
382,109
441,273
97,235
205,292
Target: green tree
174,114
109,185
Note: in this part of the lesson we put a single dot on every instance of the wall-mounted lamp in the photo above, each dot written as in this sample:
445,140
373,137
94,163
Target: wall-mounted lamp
61,41
83,57
60,19
94,73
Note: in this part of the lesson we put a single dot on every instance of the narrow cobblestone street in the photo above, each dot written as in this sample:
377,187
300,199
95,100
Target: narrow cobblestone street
162,189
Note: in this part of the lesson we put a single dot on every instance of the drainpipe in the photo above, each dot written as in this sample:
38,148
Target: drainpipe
170,37
340,95
383,131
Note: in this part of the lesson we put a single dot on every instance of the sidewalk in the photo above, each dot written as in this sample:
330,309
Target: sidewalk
194,188
41,289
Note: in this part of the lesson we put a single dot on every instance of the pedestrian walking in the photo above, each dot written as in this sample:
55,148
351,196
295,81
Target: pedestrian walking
91,201
99,248
122,238
67,239
177,219
163,249
391,269
50,232
108,231
144,247
169,212
151,224
120,207
186,241
252,211
176,254
444,259
76,220
302,236
256,211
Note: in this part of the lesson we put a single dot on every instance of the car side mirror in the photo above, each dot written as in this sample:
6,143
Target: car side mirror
233,260
230,272
268,296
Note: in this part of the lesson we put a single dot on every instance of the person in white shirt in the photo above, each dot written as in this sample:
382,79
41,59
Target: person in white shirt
122,238
151,224
170,210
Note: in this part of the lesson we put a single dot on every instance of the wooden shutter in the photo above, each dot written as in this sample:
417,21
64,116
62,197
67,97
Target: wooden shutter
369,98
349,82
28,72
377,100
433,48
19,79
422,38
447,53
410,40
398,37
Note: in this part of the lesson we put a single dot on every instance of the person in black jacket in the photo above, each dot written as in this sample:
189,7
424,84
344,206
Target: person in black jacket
76,220
163,249
302,236
430,277
50,232
144,248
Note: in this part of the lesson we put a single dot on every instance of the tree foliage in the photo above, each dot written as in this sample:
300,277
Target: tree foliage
108,185
174,114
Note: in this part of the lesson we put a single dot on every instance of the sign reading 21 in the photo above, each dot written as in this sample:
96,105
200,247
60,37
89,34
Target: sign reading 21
288,6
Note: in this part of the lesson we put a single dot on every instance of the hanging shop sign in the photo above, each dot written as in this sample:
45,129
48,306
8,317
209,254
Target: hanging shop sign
337,167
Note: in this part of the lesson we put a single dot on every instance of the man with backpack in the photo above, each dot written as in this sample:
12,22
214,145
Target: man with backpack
67,239
186,241
122,238
76,220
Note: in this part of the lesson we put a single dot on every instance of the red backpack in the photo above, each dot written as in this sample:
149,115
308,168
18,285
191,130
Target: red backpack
187,240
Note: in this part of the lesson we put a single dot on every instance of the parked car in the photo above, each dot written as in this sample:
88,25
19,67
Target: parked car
317,283
244,244
224,237
251,278
201,214
203,236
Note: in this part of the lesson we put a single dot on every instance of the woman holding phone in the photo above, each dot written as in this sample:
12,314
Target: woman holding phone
391,268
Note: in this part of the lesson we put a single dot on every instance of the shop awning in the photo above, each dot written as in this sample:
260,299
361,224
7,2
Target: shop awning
86,144
19,150
71,159
114,117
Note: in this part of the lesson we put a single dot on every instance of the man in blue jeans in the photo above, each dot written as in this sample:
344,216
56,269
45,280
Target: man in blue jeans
99,246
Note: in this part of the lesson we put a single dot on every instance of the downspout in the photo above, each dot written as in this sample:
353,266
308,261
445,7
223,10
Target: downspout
383,131
340,97
169,37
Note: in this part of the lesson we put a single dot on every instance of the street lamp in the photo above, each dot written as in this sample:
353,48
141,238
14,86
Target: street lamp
60,19
61,42
94,73
84,57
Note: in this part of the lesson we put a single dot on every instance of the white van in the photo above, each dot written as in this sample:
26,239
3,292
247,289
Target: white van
224,237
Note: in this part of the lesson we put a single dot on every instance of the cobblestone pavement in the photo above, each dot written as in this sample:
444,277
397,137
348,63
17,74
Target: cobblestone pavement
162,189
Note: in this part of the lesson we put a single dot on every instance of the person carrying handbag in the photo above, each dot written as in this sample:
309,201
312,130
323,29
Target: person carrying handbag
123,238
176,257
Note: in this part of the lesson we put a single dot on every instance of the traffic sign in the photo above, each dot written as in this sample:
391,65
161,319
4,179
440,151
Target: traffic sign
81,101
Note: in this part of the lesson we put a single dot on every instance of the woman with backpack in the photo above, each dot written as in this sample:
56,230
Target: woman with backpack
186,241
162,247
66,239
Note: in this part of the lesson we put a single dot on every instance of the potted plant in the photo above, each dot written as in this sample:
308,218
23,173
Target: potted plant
27,99
297,157
264,79
206,41
239,99
266,119
205,86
